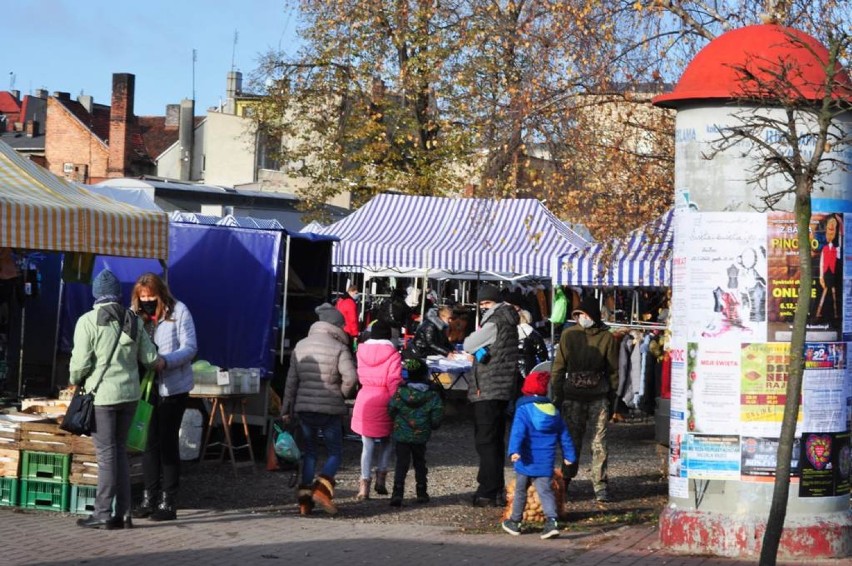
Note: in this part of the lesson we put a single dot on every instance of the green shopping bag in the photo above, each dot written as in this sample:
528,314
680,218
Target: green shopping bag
137,438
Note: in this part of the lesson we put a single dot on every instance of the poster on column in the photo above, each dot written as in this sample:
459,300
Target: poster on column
763,388
678,483
825,311
847,277
712,387
712,457
825,464
824,391
725,295
759,459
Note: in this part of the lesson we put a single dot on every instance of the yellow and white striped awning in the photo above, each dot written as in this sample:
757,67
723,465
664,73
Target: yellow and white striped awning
40,211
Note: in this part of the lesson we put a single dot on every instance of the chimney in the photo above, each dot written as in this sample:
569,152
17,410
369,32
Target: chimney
186,138
121,119
31,128
172,115
232,90
86,101
41,93
62,95
16,94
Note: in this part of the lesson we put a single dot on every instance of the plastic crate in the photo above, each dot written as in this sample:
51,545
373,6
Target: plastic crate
9,492
45,466
49,496
83,499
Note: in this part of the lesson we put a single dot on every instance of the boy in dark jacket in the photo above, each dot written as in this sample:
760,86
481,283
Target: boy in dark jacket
416,410
536,430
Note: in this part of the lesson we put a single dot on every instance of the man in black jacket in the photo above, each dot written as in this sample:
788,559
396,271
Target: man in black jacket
431,336
492,388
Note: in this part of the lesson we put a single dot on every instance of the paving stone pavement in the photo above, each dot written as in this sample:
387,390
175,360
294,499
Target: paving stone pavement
214,538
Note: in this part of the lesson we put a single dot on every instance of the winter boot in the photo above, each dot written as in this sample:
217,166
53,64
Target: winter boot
363,489
422,495
323,494
306,503
381,482
166,510
396,497
147,505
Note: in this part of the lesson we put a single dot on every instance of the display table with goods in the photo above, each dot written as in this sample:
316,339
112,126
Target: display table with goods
450,372
226,393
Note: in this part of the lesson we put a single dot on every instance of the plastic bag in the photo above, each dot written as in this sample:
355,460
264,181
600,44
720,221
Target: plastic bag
285,445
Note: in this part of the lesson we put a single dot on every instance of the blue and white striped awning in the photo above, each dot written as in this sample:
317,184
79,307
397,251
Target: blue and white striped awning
227,220
643,259
508,238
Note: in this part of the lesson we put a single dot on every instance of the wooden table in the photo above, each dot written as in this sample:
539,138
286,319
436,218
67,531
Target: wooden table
223,408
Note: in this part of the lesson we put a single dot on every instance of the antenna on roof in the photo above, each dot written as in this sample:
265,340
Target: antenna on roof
194,59
234,49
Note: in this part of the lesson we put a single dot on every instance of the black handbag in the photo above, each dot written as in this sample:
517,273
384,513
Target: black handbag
79,418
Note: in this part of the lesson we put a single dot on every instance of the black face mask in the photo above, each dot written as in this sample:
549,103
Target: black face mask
148,307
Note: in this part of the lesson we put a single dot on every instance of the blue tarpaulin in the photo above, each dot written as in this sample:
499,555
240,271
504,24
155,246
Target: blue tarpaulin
226,276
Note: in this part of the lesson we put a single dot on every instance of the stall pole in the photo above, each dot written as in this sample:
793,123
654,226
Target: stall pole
56,333
21,351
363,295
284,300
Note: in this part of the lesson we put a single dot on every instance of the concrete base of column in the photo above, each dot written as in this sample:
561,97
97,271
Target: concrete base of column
825,535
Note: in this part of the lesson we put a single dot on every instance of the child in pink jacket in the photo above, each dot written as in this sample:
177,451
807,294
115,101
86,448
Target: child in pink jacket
379,373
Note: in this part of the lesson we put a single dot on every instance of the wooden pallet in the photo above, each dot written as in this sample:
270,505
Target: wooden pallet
10,463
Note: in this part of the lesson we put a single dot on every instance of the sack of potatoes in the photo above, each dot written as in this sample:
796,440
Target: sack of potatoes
532,511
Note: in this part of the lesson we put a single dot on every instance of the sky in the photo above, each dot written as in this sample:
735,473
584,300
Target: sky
75,46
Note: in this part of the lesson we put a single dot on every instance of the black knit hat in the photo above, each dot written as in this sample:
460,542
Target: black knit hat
590,306
106,285
380,330
488,293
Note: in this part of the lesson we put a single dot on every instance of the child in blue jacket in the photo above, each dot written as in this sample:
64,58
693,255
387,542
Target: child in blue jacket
536,429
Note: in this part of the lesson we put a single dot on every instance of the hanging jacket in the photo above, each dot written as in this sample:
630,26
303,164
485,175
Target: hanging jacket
536,430
416,410
380,374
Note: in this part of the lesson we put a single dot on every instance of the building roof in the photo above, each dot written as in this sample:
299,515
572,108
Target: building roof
157,136
723,70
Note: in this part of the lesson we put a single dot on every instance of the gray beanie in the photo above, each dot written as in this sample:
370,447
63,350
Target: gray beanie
106,285
329,313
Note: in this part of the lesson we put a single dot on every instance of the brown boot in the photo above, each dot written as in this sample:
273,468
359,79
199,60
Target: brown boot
306,504
381,482
363,489
323,494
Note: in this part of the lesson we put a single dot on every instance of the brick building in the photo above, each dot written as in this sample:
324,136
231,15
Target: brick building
89,142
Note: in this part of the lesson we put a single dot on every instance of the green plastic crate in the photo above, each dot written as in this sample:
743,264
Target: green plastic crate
83,499
45,466
46,495
9,492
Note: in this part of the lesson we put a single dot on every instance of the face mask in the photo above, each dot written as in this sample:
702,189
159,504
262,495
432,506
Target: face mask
584,321
357,296
148,307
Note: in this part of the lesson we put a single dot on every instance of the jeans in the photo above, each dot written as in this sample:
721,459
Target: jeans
112,423
489,436
545,496
405,454
367,449
161,461
331,427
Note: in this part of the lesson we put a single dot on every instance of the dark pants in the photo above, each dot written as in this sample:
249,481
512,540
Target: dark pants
161,461
489,421
112,423
405,454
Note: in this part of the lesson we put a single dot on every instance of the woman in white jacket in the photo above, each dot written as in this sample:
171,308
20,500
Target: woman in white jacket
170,326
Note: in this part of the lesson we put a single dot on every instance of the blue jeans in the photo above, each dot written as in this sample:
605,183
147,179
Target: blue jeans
331,427
545,496
368,447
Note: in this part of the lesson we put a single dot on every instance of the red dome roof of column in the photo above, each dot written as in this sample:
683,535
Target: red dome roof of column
716,71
